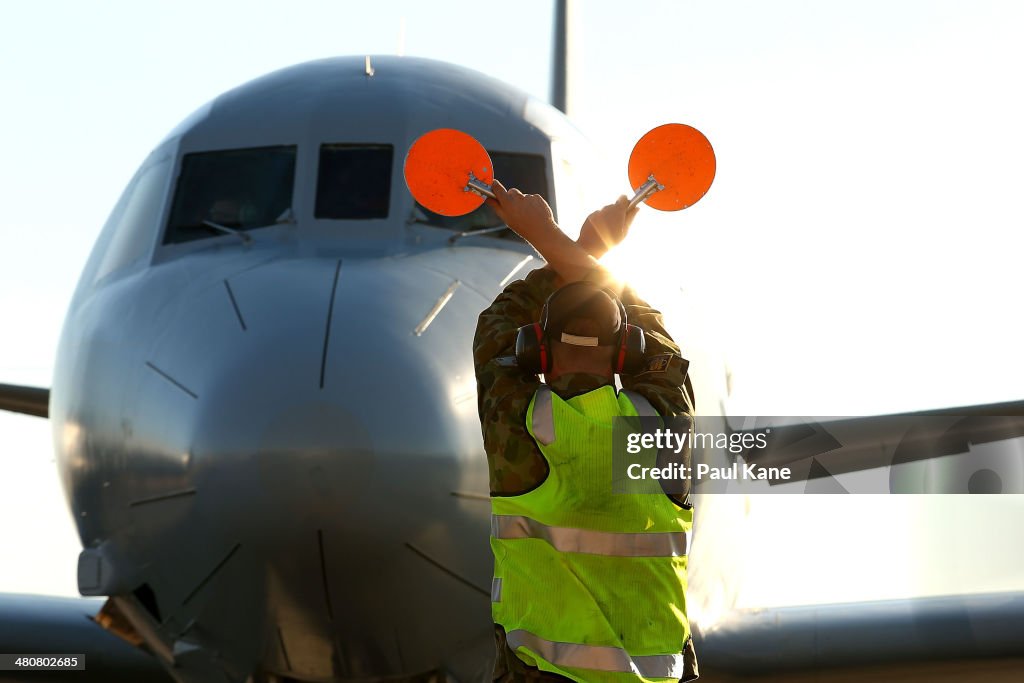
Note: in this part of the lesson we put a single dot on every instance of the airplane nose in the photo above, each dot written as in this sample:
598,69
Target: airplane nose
297,427
322,375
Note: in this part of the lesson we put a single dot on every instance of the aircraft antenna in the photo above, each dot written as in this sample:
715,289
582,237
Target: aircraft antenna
560,57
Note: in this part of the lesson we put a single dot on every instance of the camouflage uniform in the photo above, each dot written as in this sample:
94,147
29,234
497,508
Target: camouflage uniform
515,462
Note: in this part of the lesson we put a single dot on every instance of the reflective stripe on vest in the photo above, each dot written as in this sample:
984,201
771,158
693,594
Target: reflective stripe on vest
642,405
543,416
569,540
598,657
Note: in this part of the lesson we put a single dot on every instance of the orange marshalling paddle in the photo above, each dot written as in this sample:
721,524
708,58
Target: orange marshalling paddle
449,172
672,167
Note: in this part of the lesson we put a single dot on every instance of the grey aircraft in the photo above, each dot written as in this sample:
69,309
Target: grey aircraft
265,419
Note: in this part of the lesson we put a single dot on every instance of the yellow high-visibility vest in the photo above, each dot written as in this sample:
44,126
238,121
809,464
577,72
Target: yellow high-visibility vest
590,584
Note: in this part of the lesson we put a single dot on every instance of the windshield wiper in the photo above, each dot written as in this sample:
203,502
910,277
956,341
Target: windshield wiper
286,217
417,216
471,233
231,231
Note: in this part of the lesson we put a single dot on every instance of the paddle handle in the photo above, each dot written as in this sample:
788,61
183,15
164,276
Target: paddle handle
645,191
481,188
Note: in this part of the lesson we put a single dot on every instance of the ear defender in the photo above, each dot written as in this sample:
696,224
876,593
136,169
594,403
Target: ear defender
532,354
630,358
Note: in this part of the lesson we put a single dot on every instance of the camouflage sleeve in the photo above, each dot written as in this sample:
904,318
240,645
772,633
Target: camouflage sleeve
503,393
663,380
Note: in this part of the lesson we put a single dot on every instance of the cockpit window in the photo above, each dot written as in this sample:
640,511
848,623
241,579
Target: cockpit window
354,181
528,172
238,189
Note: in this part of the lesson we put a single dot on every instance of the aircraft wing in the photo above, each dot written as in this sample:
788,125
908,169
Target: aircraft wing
27,400
960,637
48,625
909,449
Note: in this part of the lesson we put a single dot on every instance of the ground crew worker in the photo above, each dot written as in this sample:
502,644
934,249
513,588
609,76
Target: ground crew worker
588,586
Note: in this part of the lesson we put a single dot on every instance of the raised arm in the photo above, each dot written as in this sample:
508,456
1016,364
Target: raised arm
531,218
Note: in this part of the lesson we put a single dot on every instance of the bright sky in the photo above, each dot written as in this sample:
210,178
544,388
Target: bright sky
858,253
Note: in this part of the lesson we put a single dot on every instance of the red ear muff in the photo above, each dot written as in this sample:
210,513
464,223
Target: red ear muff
630,356
531,352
